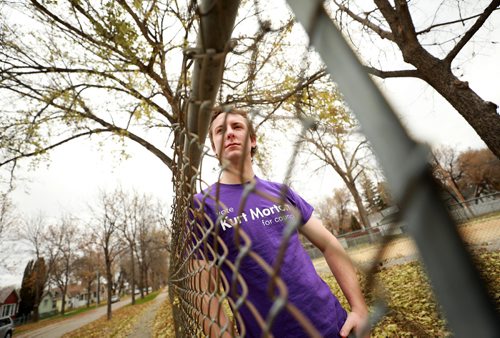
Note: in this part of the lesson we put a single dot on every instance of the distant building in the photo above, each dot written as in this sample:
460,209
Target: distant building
9,301
47,305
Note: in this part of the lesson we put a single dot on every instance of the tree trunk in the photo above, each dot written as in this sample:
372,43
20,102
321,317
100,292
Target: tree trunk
365,222
63,303
481,115
89,290
109,278
132,272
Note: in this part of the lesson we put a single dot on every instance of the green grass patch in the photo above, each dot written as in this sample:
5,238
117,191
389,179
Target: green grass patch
147,298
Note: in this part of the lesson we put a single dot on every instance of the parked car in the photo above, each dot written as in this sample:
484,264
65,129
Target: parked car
115,298
6,327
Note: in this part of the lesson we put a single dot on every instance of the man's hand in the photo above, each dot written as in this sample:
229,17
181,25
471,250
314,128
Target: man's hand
353,323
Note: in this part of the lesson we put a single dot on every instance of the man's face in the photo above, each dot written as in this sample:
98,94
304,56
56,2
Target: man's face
229,135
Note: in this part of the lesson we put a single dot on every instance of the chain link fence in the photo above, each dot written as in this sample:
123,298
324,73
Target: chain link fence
210,295
388,222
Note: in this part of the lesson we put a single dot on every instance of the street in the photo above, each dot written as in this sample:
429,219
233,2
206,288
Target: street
57,330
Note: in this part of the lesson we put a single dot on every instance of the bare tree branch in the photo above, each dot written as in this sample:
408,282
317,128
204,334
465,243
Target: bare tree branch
473,30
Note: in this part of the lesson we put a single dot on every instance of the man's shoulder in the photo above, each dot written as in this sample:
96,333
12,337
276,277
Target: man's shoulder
272,185
204,193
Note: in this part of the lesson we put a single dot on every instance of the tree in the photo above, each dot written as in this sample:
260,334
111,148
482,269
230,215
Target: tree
159,257
338,148
6,215
384,195
430,37
88,267
334,210
146,222
105,226
354,224
129,208
480,172
467,174
33,231
34,279
137,223
63,237
136,58
26,293
370,193
445,170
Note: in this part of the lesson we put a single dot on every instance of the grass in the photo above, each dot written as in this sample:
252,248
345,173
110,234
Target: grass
413,310
122,322
147,298
53,319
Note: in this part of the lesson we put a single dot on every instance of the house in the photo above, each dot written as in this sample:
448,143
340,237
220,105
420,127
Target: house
9,301
47,305
73,297
77,295
93,293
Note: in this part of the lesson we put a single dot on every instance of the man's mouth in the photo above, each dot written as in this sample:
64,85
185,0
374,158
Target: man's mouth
232,144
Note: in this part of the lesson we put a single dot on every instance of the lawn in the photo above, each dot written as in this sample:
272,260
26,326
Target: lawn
413,311
53,319
121,324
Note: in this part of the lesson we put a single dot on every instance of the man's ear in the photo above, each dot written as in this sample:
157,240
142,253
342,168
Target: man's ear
213,148
253,141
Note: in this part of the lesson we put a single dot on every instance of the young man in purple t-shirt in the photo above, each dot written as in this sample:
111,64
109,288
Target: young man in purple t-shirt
245,211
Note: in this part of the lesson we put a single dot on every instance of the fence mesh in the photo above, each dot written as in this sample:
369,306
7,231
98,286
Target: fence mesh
207,289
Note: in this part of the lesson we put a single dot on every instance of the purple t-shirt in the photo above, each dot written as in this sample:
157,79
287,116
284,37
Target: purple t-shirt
263,214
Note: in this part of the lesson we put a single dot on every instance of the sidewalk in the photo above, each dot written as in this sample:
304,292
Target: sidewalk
144,326
58,329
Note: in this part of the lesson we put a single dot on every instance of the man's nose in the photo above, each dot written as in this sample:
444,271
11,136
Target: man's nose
229,132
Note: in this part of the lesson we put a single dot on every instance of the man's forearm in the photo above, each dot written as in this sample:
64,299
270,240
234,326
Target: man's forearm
345,274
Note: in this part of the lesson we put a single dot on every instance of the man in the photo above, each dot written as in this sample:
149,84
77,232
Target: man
253,216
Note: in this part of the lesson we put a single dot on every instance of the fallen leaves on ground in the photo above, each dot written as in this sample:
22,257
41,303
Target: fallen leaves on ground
163,325
413,311
121,324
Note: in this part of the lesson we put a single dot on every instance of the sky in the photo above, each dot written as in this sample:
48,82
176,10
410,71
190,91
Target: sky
77,171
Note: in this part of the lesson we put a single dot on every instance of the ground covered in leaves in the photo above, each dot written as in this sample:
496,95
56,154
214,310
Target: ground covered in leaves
163,325
413,311
121,324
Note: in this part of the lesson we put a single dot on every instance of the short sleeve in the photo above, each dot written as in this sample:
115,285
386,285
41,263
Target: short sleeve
304,208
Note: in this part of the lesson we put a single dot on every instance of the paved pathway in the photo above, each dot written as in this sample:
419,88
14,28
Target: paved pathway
144,327
58,329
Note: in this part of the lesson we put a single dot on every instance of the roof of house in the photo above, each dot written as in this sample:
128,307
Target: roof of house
48,293
74,290
5,292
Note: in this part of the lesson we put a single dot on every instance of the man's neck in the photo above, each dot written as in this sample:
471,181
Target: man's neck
234,174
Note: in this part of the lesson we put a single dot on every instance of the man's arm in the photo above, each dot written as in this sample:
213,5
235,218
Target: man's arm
343,270
214,317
